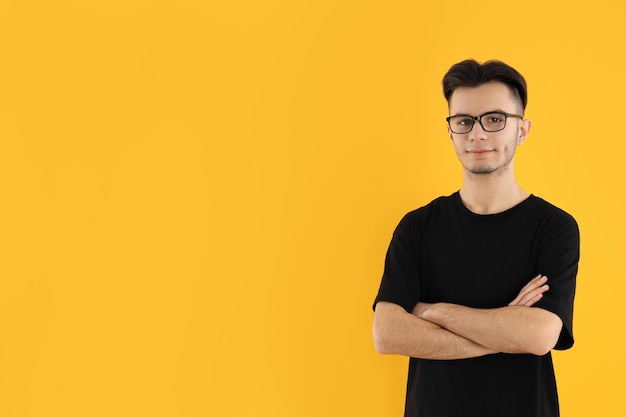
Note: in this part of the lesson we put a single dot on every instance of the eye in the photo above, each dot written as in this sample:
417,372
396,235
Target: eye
494,118
463,121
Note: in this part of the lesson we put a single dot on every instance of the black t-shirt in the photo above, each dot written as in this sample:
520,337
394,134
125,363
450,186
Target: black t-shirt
443,252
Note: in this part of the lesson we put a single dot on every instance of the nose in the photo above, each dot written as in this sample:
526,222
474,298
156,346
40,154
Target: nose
477,132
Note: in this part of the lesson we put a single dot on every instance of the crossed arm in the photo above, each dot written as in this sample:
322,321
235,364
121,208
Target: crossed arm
450,331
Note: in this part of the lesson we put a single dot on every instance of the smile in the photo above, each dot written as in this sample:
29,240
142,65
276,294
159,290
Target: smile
479,152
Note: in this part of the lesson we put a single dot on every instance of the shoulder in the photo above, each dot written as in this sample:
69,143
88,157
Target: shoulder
551,213
554,223
437,207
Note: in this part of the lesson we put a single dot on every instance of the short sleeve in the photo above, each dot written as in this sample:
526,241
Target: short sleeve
400,281
559,253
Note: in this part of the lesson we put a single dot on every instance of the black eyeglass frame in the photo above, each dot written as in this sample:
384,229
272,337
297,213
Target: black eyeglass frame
479,119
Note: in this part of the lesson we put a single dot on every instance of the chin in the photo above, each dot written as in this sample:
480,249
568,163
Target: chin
478,170
482,171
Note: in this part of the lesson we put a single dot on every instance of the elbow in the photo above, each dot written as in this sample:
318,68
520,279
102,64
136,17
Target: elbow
382,340
546,338
389,329
541,348
381,347
381,344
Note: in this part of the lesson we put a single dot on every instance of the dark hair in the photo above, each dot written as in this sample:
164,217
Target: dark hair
470,73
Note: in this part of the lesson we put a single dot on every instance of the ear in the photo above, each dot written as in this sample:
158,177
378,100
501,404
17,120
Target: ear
449,132
524,130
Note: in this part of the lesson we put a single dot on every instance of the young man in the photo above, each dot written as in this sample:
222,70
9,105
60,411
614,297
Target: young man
478,286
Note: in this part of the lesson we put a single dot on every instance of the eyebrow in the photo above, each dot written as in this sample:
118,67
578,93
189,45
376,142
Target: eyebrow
487,112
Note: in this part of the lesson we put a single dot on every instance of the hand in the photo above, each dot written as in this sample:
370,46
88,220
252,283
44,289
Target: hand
419,310
532,292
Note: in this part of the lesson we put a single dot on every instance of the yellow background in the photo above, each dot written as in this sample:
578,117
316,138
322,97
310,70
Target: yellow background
196,196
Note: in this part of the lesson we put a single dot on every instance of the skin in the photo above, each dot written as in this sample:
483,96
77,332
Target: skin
399,332
487,158
451,331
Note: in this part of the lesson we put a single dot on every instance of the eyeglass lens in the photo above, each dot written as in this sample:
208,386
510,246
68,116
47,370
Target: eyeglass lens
490,122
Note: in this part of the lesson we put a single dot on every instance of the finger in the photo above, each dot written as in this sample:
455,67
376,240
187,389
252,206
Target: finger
536,282
532,285
529,290
531,296
535,299
525,289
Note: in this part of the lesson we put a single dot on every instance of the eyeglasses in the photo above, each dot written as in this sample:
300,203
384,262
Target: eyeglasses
490,122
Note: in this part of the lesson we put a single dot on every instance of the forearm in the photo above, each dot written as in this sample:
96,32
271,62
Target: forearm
511,329
399,332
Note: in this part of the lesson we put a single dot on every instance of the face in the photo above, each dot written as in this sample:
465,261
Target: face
487,153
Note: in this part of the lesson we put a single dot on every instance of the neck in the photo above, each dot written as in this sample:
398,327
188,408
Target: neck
489,194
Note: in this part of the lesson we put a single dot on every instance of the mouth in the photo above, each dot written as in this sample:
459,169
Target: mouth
479,152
